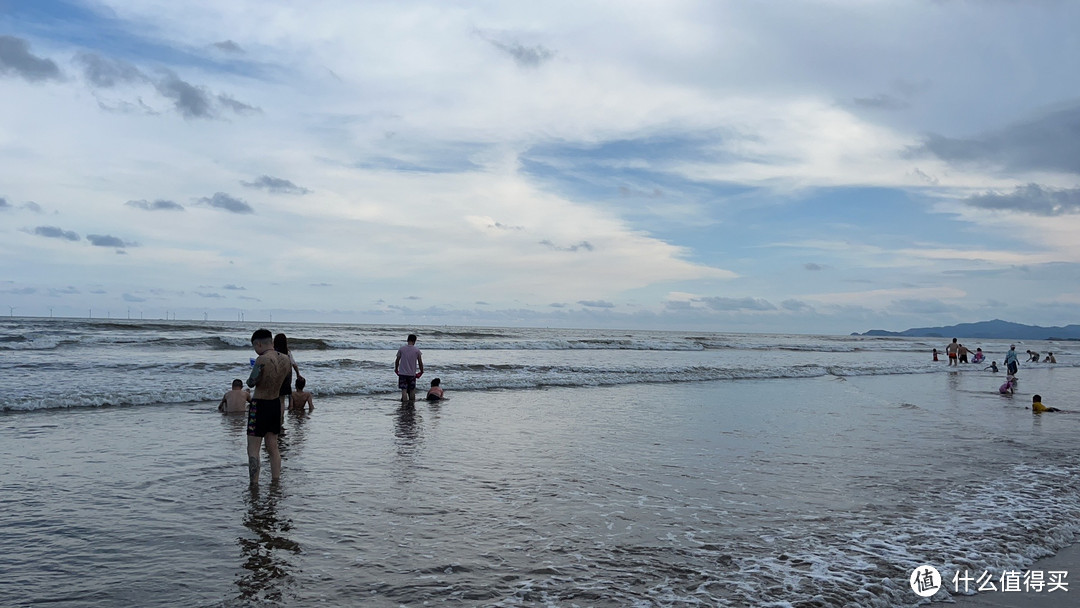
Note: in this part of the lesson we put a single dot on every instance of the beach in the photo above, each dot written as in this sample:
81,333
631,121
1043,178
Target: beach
805,490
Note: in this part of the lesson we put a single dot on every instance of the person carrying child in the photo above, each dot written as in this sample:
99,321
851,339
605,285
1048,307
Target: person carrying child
235,400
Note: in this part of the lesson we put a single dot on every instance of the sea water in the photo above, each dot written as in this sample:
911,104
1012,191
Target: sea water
568,467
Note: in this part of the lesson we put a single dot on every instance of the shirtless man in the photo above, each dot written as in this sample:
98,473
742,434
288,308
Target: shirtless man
264,413
300,397
953,350
235,400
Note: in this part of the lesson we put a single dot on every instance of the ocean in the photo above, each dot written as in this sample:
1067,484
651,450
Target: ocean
567,468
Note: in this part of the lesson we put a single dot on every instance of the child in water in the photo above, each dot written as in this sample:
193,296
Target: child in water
235,400
993,367
435,393
1037,407
300,397
1009,387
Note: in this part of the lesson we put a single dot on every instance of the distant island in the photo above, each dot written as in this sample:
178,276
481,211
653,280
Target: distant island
987,330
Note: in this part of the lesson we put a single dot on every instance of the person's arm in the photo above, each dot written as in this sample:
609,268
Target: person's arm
256,373
397,360
310,403
420,362
221,406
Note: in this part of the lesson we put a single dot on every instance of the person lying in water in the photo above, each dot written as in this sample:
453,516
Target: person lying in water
1037,407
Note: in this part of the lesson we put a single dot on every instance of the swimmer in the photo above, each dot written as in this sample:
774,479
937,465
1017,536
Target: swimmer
1037,407
300,397
435,393
235,400
993,367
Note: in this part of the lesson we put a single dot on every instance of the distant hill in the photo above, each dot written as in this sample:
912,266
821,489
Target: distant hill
987,330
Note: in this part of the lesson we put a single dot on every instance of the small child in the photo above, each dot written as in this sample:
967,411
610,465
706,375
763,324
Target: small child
935,355
299,397
1009,387
1050,358
435,393
235,400
1037,407
993,367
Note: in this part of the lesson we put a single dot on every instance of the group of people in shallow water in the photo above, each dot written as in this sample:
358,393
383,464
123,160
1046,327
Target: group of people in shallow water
271,379
957,354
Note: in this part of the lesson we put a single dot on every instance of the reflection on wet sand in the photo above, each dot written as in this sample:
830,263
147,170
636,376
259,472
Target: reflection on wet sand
268,570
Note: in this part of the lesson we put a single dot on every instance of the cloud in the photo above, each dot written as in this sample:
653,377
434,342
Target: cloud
32,206
238,107
501,226
232,287
53,232
107,73
22,291
223,201
921,307
277,185
16,59
557,305
586,245
732,304
105,240
596,303
228,46
190,100
4,204
1045,143
881,102
130,298
813,266
524,56
795,305
158,205
1033,199
209,295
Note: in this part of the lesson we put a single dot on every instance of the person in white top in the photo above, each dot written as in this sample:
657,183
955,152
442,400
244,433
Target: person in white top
408,365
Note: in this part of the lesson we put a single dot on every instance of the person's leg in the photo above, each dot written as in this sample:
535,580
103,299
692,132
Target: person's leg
254,443
275,456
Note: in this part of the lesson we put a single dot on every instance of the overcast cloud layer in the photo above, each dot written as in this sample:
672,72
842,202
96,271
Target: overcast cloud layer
810,166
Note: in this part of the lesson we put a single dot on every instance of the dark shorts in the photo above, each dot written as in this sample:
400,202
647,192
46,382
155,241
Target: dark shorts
406,382
264,416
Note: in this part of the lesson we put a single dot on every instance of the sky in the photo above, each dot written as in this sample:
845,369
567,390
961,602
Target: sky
824,166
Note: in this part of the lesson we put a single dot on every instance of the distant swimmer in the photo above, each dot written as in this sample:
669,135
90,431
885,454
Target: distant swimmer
1037,407
1049,358
235,400
1033,356
435,393
935,355
953,350
993,367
